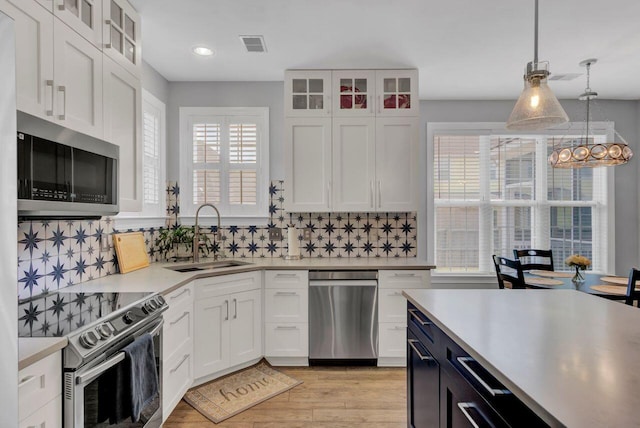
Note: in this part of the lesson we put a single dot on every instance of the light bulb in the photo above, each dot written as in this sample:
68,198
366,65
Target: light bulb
534,101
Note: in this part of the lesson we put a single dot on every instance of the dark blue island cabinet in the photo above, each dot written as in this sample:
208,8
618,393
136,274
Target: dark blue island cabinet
447,388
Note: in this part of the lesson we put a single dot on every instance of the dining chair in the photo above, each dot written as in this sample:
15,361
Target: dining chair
509,271
632,294
534,259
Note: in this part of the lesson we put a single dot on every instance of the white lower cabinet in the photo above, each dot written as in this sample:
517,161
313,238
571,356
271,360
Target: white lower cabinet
392,312
177,348
286,340
228,322
40,393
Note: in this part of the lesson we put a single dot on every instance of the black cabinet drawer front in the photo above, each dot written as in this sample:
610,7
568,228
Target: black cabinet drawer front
423,385
422,326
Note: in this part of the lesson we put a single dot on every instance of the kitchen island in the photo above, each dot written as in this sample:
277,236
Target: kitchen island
569,357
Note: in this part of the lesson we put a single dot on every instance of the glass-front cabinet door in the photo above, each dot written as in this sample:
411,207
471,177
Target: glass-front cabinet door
122,34
397,92
84,16
353,92
307,93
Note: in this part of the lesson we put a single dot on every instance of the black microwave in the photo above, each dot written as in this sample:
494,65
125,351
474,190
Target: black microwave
64,174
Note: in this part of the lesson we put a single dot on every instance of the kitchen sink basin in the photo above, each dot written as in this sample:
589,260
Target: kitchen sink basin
192,267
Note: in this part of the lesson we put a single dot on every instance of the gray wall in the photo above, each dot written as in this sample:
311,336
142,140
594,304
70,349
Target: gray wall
227,94
153,82
626,116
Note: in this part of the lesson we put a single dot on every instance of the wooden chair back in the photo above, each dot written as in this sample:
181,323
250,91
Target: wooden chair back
534,259
632,294
510,271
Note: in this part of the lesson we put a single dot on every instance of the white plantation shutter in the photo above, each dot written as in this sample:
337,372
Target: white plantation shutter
151,160
207,162
243,150
494,193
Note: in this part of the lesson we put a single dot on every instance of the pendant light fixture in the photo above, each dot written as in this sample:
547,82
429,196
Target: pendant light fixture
537,107
587,153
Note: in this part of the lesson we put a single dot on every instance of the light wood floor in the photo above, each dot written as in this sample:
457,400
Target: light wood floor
330,397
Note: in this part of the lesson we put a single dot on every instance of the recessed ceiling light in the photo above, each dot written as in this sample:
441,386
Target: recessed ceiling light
202,51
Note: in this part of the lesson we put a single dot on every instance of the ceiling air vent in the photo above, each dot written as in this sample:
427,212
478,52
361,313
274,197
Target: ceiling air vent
566,76
254,43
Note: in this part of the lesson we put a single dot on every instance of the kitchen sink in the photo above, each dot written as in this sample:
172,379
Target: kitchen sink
192,267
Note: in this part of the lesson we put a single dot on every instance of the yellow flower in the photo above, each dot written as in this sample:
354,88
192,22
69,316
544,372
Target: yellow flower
576,260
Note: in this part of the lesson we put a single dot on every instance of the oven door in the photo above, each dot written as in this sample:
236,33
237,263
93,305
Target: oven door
85,400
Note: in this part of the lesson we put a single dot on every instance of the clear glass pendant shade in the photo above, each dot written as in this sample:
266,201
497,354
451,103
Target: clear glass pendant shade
537,107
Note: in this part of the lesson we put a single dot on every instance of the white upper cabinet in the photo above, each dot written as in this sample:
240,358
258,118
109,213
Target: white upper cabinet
397,93
34,56
122,41
353,93
78,82
307,93
83,16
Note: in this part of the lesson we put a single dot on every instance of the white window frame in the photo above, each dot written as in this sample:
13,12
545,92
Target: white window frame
231,215
498,128
152,215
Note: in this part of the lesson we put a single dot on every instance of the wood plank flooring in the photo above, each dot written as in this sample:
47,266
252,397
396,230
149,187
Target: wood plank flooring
330,397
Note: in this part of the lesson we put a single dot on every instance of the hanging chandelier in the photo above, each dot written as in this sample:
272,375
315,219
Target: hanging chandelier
587,153
537,107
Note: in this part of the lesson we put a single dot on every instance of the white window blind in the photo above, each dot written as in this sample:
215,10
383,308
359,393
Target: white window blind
151,161
496,193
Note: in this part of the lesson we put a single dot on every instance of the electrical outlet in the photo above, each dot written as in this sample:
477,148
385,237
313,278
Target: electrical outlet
104,242
306,234
275,234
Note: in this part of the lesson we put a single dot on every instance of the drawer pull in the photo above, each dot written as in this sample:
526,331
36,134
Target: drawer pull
404,275
286,275
49,85
414,314
286,327
186,290
464,408
286,293
398,328
412,343
27,380
173,370
179,318
396,293
493,391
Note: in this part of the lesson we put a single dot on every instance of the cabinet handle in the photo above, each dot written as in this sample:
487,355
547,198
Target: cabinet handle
379,102
372,197
235,308
414,314
49,90
173,370
404,275
27,380
379,195
286,327
398,328
411,343
395,293
286,275
227,303
493,391
61,5
286,293
107,22
63,90
186,290
464,409
179,318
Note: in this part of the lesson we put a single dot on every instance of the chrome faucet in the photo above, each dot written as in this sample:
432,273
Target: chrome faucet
196,234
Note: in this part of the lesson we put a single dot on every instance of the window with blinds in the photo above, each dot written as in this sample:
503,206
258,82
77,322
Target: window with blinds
495,193
151,158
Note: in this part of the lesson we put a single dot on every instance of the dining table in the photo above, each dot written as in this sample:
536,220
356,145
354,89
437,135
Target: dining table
608,286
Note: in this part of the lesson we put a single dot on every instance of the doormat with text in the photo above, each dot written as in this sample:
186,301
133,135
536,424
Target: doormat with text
222,398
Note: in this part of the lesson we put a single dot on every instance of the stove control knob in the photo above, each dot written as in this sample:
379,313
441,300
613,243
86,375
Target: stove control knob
128,317
88,339
104,330
160,301
153,303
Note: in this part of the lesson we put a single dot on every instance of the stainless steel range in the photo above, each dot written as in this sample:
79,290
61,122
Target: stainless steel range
98,327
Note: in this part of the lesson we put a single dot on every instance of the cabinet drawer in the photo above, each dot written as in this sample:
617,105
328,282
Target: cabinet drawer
428,333
286,279
286,340
392,306
177,378
39,383
181,295
286,305
227,284
392,340
404,279
48,416
178,330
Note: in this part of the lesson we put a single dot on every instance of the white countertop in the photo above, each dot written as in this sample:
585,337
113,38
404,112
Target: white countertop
573,358
33,349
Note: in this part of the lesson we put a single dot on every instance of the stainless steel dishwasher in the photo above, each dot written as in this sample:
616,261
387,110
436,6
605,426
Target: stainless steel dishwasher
343,317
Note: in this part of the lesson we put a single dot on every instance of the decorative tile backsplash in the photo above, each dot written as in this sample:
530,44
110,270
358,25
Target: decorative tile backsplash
53,254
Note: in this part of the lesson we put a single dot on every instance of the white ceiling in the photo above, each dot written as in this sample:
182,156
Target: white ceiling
464,49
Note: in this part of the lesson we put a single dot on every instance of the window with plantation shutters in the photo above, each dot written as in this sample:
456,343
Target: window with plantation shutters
151,160
495,192
228,153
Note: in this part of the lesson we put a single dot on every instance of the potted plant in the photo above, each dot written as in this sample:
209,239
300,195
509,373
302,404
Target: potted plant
177,243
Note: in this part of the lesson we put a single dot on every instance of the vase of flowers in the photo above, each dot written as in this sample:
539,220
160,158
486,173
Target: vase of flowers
579,263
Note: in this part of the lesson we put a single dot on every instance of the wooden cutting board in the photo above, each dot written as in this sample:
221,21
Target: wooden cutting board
131,251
